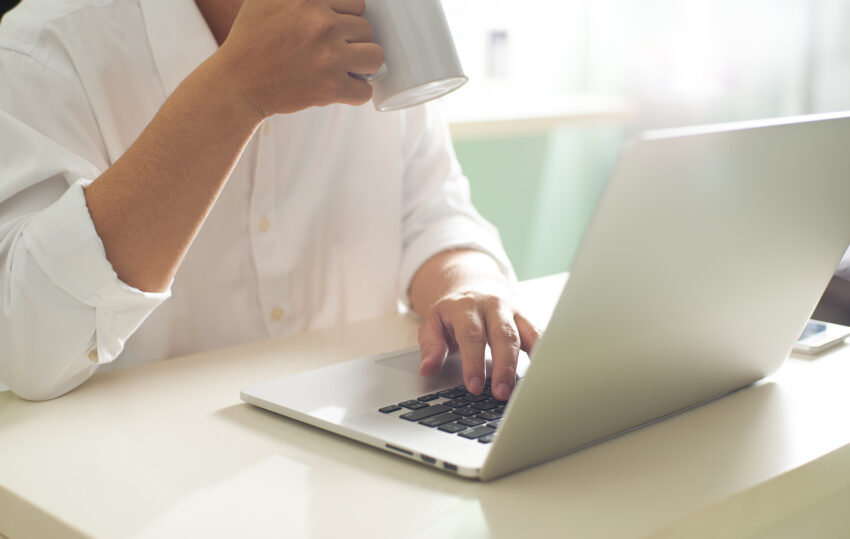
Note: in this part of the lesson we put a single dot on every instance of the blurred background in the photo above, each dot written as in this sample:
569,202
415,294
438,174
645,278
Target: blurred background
557,87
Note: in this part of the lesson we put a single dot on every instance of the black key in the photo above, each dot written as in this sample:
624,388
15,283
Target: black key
427,398
428,411
494,424
452,393
457,403
487,392
437,420
471,421
389,409
500,409
465,411
412,405
486,439
486,405
476,398
490,416
477,432
452,427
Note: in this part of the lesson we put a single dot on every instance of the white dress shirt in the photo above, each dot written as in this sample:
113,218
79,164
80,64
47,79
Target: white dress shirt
325,219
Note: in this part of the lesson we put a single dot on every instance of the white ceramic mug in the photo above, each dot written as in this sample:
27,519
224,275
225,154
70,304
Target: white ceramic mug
420,60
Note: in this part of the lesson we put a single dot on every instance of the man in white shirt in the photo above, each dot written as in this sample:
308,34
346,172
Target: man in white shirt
213,152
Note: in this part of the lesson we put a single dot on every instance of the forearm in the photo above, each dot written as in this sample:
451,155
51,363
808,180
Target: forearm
277,58
456,271
148,207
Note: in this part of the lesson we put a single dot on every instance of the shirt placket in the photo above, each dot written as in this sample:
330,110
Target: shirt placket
265,238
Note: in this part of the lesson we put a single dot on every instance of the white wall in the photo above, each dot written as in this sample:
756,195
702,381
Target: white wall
680,62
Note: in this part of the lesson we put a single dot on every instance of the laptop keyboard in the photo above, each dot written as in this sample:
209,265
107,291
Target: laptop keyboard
454,411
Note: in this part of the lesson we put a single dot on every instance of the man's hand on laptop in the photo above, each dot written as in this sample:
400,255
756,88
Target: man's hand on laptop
466,303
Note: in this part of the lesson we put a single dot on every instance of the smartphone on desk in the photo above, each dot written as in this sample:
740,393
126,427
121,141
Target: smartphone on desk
819,336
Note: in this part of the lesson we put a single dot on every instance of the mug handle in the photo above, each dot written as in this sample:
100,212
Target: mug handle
380,74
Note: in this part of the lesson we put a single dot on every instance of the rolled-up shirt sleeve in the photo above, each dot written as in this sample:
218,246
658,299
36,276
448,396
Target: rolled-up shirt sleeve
63,309
438,214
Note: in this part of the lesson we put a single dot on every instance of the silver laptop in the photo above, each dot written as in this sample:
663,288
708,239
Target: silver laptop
706,254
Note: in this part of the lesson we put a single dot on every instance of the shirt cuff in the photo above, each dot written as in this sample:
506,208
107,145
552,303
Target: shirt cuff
455,233
63,242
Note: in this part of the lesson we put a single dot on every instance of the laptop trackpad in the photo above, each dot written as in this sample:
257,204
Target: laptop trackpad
409,362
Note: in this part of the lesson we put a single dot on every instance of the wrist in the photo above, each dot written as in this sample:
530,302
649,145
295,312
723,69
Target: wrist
231,91
457,272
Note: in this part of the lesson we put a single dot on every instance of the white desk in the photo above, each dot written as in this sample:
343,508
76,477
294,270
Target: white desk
169,450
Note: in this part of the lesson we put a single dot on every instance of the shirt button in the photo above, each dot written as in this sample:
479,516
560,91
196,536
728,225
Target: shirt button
277,314
93,355
264,224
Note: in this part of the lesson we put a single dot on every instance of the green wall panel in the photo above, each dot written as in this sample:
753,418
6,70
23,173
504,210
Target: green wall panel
540,190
